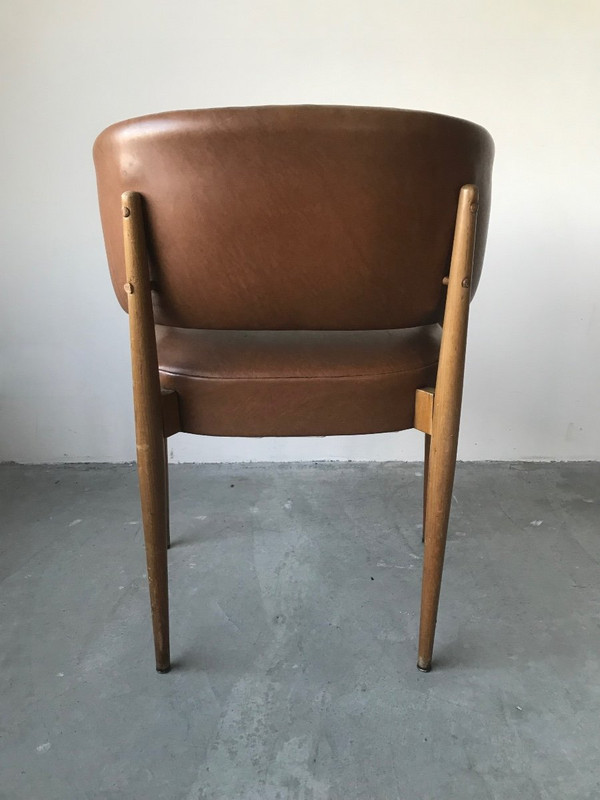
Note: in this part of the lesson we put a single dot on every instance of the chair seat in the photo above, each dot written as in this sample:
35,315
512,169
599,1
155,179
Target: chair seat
297,383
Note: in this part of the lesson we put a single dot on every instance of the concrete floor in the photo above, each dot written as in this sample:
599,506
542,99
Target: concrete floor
294,600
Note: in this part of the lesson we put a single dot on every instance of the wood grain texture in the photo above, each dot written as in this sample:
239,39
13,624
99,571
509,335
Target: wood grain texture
446,418
148,408
424,410
170,412
427,448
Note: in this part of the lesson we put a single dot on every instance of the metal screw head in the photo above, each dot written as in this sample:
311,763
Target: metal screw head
126,212
466,283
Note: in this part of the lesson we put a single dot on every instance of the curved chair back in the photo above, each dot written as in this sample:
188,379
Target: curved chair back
294,217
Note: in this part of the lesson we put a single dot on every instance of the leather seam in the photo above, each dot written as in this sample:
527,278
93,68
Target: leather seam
296,377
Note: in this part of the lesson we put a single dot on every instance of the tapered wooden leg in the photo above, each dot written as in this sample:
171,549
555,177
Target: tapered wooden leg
439,490
425,480
446,419
167,514
148,407
152,480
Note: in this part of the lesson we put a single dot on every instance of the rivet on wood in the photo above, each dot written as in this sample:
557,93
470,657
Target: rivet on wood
128,288
466,283
126,211
474,207
446,280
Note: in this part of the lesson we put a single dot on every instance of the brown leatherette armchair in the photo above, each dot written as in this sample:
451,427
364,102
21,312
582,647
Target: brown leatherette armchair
295,271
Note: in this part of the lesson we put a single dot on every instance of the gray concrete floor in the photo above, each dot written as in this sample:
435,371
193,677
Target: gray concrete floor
294,607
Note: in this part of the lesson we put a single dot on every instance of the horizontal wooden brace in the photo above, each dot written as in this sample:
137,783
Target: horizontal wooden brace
170,412
424,410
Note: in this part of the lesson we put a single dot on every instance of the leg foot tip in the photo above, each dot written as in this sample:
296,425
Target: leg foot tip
424,666
164,670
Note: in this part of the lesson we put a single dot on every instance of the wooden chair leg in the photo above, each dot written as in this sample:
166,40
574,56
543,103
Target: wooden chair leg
439,490
166,490
446,418
148,407
425,481
152,480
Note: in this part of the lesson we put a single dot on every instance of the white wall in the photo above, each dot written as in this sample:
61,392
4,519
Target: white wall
528,71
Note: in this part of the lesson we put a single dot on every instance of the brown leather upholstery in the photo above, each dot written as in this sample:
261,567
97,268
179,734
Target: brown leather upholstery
297,383
297,255
294,218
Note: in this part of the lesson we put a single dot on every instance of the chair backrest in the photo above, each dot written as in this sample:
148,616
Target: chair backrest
294,217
